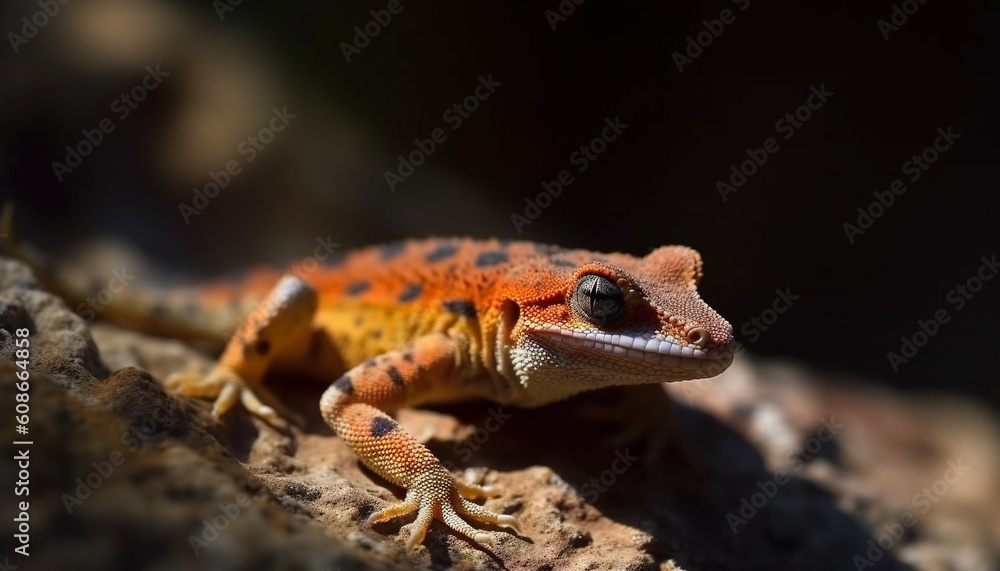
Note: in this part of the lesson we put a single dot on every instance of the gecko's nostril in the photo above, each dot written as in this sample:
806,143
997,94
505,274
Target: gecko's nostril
699,337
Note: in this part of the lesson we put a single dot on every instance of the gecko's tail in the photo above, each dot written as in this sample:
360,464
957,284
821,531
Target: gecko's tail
206,313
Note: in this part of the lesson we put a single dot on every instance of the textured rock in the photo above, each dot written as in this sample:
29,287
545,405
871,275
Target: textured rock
66,348
621,479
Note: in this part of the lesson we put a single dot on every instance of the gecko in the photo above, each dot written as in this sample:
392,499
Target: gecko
444,320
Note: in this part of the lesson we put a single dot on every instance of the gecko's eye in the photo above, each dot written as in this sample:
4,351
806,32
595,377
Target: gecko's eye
598,299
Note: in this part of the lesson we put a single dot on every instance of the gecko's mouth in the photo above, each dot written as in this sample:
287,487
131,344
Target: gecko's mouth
661,350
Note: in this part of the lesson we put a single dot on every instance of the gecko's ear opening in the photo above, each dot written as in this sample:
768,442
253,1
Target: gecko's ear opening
675,263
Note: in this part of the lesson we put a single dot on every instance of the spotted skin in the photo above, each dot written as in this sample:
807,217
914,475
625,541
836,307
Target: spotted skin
442,320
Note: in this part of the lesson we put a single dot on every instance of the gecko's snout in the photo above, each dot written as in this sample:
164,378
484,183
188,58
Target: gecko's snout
715,336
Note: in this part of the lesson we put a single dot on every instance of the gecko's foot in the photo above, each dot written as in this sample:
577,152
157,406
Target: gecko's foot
227,388
440,496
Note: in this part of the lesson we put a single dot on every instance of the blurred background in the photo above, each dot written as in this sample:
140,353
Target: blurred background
213,76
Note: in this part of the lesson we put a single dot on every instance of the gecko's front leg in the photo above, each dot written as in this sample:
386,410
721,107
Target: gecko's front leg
280,320
353,406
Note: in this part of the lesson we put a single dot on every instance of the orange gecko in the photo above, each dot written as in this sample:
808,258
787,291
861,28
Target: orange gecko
444,320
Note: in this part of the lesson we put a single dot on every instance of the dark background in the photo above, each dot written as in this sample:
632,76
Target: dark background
323,176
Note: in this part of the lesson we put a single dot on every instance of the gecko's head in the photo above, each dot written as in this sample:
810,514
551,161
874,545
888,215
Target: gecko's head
618,320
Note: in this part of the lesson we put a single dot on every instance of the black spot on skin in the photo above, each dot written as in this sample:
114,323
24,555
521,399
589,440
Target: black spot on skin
263,346
358,288
376,334
442,252
547,249
382,426
461,307
345,385
561,263
396,377
369,364
408,357
487,259
390,251
411,292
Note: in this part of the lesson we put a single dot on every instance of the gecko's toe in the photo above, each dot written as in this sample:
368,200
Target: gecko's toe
418,529
474,491
227,388
228,396
190,384
274,414
481,514
404,507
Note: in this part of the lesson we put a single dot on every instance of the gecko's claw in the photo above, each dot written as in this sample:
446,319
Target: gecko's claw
509,521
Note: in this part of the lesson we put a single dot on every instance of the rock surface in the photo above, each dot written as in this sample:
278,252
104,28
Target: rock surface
767,467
